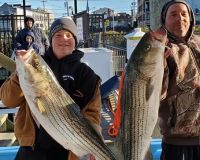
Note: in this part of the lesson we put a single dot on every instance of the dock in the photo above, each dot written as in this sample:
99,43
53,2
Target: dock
8,138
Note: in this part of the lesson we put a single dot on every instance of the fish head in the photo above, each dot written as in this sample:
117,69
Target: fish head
149,53
33,74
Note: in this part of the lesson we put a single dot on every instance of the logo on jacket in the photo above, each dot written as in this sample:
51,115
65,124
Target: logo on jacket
78,94
68,77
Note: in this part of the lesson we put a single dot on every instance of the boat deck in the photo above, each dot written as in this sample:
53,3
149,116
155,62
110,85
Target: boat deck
8,152
106,121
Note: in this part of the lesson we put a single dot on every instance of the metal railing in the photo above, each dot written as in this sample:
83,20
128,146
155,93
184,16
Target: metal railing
119,59
114,42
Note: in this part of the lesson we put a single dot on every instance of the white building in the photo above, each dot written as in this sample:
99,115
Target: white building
42,18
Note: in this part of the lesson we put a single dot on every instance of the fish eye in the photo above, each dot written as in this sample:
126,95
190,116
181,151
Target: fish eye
147,47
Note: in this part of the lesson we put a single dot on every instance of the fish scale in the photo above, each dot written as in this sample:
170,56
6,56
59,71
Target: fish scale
141,95
137,117
58,113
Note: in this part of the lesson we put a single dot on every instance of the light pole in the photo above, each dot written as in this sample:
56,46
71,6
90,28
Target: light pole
113,20
134,8
43,1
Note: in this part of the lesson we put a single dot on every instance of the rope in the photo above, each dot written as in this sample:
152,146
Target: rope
114,128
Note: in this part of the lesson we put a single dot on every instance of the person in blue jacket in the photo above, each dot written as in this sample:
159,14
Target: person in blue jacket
41,39
29,42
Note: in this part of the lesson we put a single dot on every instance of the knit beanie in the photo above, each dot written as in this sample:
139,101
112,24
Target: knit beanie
171,2
65,23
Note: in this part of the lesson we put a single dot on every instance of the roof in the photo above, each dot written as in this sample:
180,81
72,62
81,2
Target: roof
136,34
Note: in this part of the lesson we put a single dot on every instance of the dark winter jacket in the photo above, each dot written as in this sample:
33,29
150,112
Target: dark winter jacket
75,77
179,112
41,39
25,45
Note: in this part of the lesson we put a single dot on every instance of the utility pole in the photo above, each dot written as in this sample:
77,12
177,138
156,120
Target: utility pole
43,1
66,7
24,8
87,7
75,6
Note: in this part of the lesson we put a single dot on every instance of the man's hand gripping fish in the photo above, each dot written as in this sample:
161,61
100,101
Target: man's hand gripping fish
55,110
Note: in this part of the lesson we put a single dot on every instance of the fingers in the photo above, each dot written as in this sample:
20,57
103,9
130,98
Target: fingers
92,157
23,54
20,52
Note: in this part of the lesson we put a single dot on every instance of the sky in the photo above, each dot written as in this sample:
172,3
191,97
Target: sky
58,7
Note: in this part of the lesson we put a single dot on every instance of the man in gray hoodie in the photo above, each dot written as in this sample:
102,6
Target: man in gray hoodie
179,112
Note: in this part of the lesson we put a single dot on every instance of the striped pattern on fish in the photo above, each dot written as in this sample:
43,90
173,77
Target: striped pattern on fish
58,113
141,95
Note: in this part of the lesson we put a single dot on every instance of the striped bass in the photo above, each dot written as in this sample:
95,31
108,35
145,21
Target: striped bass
55,110
141,95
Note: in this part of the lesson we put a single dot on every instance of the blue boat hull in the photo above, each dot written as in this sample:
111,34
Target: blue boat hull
9,153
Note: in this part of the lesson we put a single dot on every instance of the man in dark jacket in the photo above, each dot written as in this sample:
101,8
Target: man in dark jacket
179,111
76,78
41,39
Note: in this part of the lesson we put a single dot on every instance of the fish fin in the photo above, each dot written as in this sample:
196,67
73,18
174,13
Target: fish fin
96,128
116,148
148,155
149,90
40,106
